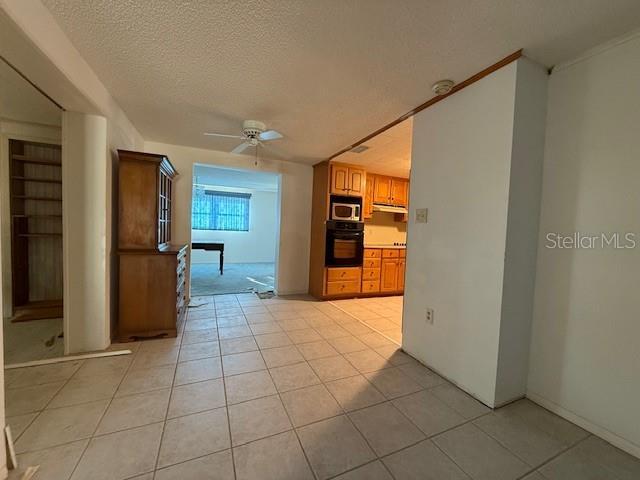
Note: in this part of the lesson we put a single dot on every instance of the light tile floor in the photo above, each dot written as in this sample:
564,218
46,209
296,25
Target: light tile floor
32,340
382,314
282,389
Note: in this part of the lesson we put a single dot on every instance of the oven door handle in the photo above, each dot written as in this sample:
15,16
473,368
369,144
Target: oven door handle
348,236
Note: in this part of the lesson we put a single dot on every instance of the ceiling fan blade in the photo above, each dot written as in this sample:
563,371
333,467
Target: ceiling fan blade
269,135
276,151
241,148
221,135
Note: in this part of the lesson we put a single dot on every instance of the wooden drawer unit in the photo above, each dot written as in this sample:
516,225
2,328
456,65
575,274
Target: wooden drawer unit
338,288
343,280
390,253
148,307
403,253
371,263
372,252
343,274
370,274
371,286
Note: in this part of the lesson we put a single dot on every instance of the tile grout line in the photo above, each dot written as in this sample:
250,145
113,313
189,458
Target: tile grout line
166,413
551,459
40,412
226,403
84,450
366,324
293,427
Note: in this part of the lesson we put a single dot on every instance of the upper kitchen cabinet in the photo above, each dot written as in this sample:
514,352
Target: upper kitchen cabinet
382,189
367,211
347,180
390,191
399,192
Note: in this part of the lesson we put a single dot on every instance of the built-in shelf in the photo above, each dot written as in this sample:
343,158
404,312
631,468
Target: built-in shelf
36,216
39,235
37,180
37,161
42,199
36,222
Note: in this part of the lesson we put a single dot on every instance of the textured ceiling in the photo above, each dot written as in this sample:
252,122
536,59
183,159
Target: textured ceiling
388,153
324,73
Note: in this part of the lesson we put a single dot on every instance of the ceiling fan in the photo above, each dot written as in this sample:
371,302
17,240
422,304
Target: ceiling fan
254,133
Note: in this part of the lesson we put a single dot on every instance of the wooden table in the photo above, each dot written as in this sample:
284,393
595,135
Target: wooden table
211,247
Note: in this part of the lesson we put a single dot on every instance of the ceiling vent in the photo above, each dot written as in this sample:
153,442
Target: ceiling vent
359,149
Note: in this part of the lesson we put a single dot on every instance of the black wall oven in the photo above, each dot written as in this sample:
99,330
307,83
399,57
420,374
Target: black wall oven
345,244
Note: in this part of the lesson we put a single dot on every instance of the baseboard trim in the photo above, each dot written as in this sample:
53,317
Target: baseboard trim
291,292
609,436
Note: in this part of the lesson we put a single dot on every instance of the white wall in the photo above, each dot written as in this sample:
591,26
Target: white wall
382,228
455,261
462,155
292,264
585,360
258,245
527,156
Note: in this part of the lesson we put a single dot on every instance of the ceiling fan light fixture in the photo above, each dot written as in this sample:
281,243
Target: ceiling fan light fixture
442,87
253,128
254,133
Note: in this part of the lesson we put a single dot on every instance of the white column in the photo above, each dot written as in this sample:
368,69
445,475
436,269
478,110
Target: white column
84,197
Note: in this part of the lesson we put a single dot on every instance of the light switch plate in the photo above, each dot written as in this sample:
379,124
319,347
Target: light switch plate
421,215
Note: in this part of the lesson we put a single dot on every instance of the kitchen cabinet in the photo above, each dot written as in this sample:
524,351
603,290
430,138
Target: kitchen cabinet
382,190
342,280
357,181
399,192
336,178
347,180
401,270
389,275
383,270
367,210
391,191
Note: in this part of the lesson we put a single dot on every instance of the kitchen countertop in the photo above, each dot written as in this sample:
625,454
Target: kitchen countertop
384,245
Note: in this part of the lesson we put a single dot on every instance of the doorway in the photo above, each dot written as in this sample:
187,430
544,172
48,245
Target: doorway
31,176
386,158
234,231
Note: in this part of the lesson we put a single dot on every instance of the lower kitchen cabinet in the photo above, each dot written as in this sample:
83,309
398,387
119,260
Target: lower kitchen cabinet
389,275
383,270
343,280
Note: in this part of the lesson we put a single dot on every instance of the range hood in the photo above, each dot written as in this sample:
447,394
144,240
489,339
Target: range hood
379,207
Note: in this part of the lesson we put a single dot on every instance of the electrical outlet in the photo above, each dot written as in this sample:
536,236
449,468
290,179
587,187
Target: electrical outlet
421,215
429,316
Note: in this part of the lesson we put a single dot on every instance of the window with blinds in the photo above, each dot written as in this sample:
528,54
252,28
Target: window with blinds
215,210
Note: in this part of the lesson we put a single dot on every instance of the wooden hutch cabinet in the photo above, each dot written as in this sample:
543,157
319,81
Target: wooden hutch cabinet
152,270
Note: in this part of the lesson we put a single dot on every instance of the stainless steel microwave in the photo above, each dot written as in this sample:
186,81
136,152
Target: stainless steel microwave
345,211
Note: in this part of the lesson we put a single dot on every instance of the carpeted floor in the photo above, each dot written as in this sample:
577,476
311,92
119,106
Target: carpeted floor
237,278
